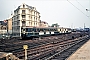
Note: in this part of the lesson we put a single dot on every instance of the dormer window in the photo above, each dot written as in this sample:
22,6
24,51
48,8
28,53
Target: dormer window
23,6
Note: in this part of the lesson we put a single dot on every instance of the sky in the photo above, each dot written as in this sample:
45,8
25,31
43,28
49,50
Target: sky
67,13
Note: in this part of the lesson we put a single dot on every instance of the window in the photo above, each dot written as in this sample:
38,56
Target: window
23,23
18,22
23,11
23,6
23,16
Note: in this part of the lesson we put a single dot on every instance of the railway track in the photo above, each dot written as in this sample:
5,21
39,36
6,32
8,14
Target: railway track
49,49
65,53
40,49
59,47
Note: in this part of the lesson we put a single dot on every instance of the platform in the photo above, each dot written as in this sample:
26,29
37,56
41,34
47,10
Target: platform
82,53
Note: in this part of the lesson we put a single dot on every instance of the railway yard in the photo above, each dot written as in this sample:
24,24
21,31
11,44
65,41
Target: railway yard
58,47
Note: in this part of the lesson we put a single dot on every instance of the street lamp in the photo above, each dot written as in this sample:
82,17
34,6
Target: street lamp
87,9
25,47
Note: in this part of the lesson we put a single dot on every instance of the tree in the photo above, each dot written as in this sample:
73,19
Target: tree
55,25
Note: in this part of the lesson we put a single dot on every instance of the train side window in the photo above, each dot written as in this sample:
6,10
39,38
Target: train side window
26,30
51,29
44,29
65,29
29,30
37,30
48,29
34,30
41,30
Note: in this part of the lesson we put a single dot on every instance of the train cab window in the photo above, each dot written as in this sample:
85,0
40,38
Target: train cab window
24,29
60,29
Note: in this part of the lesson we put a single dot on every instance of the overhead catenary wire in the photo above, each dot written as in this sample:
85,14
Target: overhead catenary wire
80,4
78,8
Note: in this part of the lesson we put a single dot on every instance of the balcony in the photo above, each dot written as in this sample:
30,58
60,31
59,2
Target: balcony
23,13
23,19
23,25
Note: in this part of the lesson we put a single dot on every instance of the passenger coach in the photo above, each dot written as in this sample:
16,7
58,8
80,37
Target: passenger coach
42,31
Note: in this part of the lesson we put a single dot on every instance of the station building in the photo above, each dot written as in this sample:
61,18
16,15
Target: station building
24,16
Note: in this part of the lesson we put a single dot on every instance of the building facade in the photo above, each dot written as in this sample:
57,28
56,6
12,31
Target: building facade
44,24
24,16
9,25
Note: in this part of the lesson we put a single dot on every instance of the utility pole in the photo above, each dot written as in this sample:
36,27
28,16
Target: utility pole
84,25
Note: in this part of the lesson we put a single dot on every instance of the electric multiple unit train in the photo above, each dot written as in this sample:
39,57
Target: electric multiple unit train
27,32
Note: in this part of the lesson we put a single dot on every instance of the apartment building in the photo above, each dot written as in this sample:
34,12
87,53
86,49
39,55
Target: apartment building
24,16
3,27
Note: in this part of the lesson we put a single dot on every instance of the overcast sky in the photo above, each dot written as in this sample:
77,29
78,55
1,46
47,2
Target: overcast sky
71,13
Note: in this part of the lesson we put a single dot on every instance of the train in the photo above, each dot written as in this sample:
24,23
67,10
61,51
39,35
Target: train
27,32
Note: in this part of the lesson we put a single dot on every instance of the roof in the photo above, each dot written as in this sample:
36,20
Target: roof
30,7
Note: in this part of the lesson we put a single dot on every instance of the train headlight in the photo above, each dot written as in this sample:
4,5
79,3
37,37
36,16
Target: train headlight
23,32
